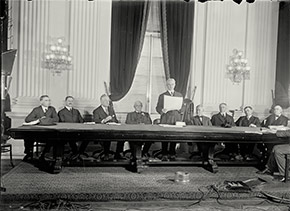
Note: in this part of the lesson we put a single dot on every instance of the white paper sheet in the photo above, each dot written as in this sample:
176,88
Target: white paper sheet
172,103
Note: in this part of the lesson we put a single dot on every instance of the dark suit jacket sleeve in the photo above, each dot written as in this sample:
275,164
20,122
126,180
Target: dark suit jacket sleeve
238,122
32,116
257,122
208,122
61,116
232,122
129,119
96,116
54,115
159,106
285,121
80,118
213,120
148,119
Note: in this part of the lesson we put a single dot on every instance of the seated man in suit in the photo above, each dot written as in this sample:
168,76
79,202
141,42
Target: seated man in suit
104,114
222,119
168,117
248,121
139,117
44,115
276,157
277,160
70,114
277,118
201,120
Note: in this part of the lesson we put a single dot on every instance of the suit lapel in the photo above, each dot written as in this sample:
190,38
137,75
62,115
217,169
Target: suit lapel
221,117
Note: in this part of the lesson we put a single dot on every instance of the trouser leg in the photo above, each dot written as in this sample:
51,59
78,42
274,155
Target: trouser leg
83,146
146,147
164,146
172,148
279,155
73,146
271,164
120,146
106,145
46,149
28,146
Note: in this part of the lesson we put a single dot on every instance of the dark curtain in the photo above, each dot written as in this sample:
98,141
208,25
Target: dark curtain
176,25
129,19
282,88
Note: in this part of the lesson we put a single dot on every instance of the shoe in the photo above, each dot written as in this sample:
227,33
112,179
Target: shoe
249,157
172,157
164,158
145,156
266,171
74,156
106,157
27,157
219,148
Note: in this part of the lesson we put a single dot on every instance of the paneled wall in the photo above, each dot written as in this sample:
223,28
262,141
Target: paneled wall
220,28
83,25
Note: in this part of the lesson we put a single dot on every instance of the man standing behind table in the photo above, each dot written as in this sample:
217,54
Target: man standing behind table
44,114
248,121
70,114
222,119
139,117
105,114
201,120
168,117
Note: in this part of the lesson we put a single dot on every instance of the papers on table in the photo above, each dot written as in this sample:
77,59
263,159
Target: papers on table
35,122
172,103
89,123
113,123
166,125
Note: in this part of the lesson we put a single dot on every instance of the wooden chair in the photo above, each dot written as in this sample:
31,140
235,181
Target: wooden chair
5,147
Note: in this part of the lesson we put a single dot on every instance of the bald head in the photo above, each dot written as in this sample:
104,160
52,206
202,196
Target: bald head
105,100
170,84
138,106
199,110
278,110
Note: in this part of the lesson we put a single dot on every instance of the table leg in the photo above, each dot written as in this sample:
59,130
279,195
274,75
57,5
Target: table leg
137,161
211,163
287,165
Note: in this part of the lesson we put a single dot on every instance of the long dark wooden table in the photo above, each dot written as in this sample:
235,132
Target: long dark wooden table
62,132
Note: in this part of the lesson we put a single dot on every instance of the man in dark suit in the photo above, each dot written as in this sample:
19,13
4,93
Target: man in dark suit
104,114
139,117
168,117
201,120
222,119
277,118
43,115
276,158
248,121
70,114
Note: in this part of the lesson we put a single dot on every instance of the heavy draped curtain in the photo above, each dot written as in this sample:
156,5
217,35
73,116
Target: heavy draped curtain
176,25
282,90
129,19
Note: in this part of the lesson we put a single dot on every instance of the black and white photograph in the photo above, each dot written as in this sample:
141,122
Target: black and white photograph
145,105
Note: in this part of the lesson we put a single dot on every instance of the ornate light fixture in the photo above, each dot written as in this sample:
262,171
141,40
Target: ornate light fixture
57,59
238,70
